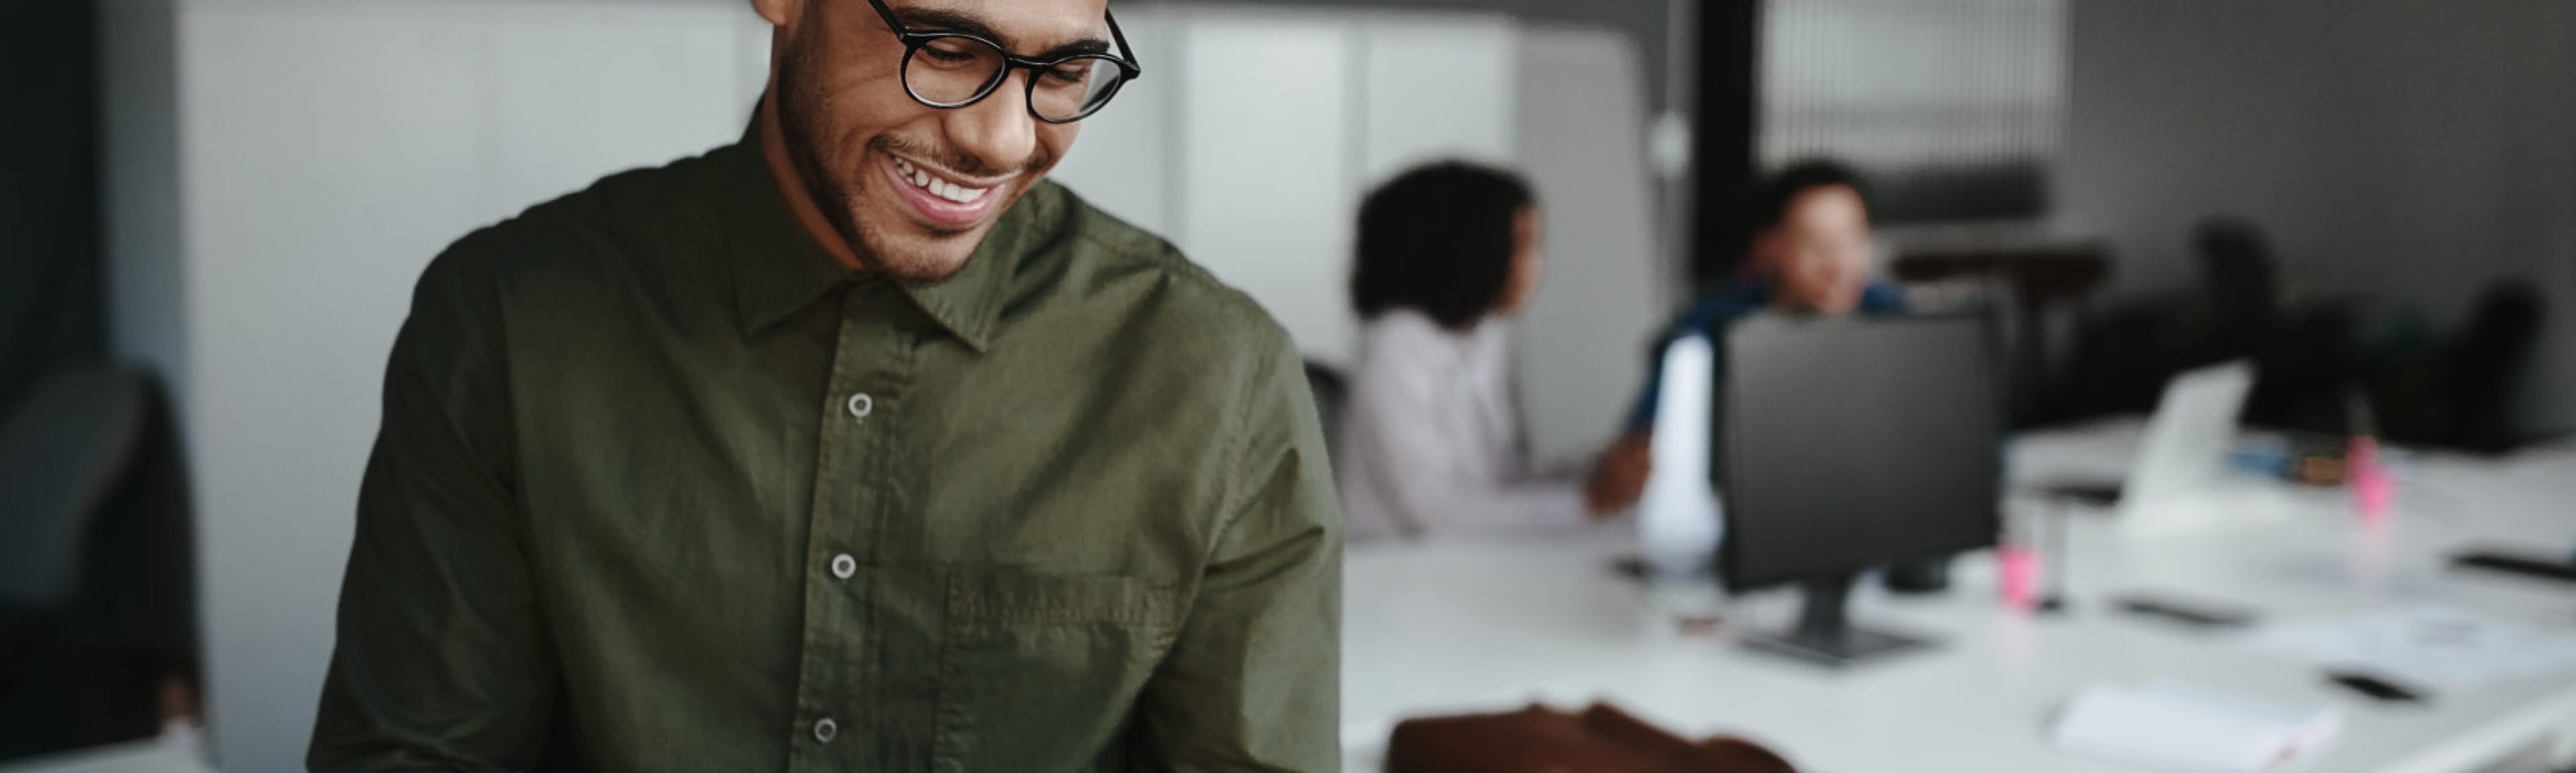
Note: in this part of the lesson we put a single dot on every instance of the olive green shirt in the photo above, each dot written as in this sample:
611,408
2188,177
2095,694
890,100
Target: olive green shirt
662,487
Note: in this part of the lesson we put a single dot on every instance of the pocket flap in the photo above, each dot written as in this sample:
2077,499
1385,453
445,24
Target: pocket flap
1018,596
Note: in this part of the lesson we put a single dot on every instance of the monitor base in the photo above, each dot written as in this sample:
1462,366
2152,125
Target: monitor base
1825,635
1854,647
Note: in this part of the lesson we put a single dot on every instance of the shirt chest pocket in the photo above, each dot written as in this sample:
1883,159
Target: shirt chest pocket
1044,667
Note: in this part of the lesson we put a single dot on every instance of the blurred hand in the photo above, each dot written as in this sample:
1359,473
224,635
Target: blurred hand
1619,478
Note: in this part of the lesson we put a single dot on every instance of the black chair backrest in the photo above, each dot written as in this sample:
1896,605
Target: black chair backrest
1332,392
2485,362
2244,281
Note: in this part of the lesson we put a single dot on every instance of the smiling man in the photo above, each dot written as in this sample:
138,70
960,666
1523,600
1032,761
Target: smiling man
856,445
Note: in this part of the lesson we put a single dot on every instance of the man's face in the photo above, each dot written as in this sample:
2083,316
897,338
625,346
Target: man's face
1819,257
863,147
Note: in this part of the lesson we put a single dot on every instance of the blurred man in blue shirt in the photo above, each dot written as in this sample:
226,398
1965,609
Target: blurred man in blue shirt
1811,253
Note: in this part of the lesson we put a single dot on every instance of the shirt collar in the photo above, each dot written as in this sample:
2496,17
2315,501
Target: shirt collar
778,269
969,303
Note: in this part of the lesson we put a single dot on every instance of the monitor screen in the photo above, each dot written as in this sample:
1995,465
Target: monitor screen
1848,444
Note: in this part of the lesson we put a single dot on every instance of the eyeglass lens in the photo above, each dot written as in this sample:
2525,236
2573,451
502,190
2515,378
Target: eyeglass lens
953,71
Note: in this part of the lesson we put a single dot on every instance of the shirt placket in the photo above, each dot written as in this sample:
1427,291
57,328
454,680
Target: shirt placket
836,712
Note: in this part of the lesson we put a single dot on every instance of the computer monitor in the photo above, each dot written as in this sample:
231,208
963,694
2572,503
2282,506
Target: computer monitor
1848,444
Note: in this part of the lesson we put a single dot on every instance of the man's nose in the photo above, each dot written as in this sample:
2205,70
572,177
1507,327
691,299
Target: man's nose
998,131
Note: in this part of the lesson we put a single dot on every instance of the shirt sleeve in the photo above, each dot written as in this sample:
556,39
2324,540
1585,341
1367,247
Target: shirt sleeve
1413,462
1707,317
440,661
1883,297
1252,683
1641,412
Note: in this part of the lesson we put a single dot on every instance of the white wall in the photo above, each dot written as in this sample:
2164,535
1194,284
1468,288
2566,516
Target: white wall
1581,111
323,153
1262,166
2401,149
1437,87
327,156
1256,170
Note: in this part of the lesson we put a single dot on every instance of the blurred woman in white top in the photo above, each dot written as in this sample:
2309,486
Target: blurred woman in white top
1431,441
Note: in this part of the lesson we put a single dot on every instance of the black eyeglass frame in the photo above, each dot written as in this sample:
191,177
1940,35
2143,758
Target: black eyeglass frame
1128,68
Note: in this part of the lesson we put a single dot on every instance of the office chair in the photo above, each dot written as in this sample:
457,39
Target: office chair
1332,391
97,562
2243,279
2461,392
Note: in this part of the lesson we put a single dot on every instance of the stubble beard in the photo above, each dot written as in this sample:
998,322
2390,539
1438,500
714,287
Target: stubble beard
802,106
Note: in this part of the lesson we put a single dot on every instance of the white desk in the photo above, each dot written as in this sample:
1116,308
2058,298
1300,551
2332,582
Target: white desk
1488,624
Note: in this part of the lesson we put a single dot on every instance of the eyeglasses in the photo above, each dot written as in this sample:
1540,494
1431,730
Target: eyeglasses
950,70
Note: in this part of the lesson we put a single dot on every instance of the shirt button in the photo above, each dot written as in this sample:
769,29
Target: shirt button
843,566
861,405
825,729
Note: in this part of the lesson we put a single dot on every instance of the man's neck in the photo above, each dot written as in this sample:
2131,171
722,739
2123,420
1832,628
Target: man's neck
791,188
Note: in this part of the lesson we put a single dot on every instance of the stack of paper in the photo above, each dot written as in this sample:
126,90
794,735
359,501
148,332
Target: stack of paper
2426,647
2175,728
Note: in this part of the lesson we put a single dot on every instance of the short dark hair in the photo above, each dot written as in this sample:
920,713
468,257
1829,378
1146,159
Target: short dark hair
1438,239
1771,201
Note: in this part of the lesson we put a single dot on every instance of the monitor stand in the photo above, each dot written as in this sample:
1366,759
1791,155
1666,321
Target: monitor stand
1825,635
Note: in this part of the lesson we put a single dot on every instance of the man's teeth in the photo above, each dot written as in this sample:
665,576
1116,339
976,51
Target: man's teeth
938,187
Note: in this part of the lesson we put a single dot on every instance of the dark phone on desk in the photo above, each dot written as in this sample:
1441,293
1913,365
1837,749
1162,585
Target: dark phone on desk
2192,613
2374,687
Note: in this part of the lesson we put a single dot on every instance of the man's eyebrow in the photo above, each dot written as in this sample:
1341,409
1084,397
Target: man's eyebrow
1088,46
941,20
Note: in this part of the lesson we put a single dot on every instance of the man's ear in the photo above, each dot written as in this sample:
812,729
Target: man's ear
778,12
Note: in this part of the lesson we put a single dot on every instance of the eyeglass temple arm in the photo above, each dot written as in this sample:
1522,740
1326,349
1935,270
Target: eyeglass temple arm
1129,50
891,22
